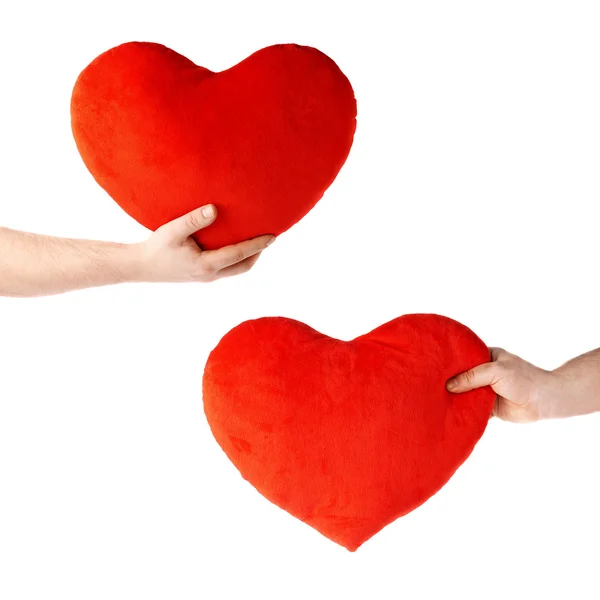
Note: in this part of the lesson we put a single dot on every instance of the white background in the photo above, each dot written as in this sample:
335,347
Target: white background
471,191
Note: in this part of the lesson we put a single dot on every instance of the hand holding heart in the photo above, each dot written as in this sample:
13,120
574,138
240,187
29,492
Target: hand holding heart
171,255
525,393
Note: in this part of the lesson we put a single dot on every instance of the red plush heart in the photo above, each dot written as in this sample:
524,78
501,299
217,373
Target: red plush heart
346,436
262,140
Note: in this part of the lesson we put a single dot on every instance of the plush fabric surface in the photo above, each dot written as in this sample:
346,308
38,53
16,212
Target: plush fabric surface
346,435
262,140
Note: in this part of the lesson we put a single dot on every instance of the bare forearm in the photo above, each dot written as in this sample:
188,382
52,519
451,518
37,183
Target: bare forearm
576,387
39,265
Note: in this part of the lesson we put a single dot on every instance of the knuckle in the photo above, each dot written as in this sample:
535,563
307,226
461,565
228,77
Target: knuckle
206,268
496,354
192,220
469,376
238,256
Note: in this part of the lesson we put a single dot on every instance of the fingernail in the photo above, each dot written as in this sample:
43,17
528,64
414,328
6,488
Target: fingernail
270,240
451,384
208,212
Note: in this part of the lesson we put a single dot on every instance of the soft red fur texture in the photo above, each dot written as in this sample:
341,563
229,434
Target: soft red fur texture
262,140
346,435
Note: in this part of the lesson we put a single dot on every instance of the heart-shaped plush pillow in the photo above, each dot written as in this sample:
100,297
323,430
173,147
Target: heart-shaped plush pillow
262,140
346,436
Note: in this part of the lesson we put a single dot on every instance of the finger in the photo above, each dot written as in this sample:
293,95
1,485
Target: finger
477,377
239,268
216,260
183,227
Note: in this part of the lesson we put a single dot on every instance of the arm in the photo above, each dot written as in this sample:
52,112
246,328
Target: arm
577,389
39,265
527,393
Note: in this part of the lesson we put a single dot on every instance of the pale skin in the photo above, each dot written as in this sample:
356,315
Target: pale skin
526,393
39,265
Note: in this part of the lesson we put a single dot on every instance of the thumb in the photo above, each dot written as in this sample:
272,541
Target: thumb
183,227
477,377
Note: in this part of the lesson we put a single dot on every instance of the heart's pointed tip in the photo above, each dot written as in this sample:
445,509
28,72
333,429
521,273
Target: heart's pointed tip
352,547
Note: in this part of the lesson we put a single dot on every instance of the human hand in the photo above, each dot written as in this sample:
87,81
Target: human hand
171,255
523,390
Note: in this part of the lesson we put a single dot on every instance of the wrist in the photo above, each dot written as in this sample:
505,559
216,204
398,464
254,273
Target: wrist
130,263
553,395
